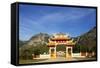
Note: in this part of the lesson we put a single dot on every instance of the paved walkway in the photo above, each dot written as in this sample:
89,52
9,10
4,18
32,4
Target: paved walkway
59,59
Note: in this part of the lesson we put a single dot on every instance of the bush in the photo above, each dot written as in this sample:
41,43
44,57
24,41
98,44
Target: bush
36,51
83,48
76,49
26,54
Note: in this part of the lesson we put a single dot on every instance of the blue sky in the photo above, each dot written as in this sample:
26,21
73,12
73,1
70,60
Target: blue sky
74,21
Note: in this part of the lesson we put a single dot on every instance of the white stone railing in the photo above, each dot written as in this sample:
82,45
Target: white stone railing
77,55
44,56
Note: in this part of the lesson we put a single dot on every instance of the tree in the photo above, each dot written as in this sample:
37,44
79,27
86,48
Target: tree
26,55
83,48
76,49
36,52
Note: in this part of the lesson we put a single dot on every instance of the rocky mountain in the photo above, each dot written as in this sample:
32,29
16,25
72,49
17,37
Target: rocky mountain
38,38
88,40
37,41
21,43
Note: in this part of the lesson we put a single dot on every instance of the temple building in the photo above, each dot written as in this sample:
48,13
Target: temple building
60,39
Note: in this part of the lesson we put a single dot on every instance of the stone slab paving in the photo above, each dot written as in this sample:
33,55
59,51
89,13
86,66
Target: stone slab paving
60,59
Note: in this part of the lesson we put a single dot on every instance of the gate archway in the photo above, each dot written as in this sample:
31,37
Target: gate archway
60,39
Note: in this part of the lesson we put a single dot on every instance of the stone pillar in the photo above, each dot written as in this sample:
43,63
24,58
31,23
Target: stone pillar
68,52
52,52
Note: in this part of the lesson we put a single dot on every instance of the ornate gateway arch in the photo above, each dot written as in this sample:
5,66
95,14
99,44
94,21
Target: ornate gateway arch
60,39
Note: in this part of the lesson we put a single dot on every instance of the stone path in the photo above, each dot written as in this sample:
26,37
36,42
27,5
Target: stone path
59,59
